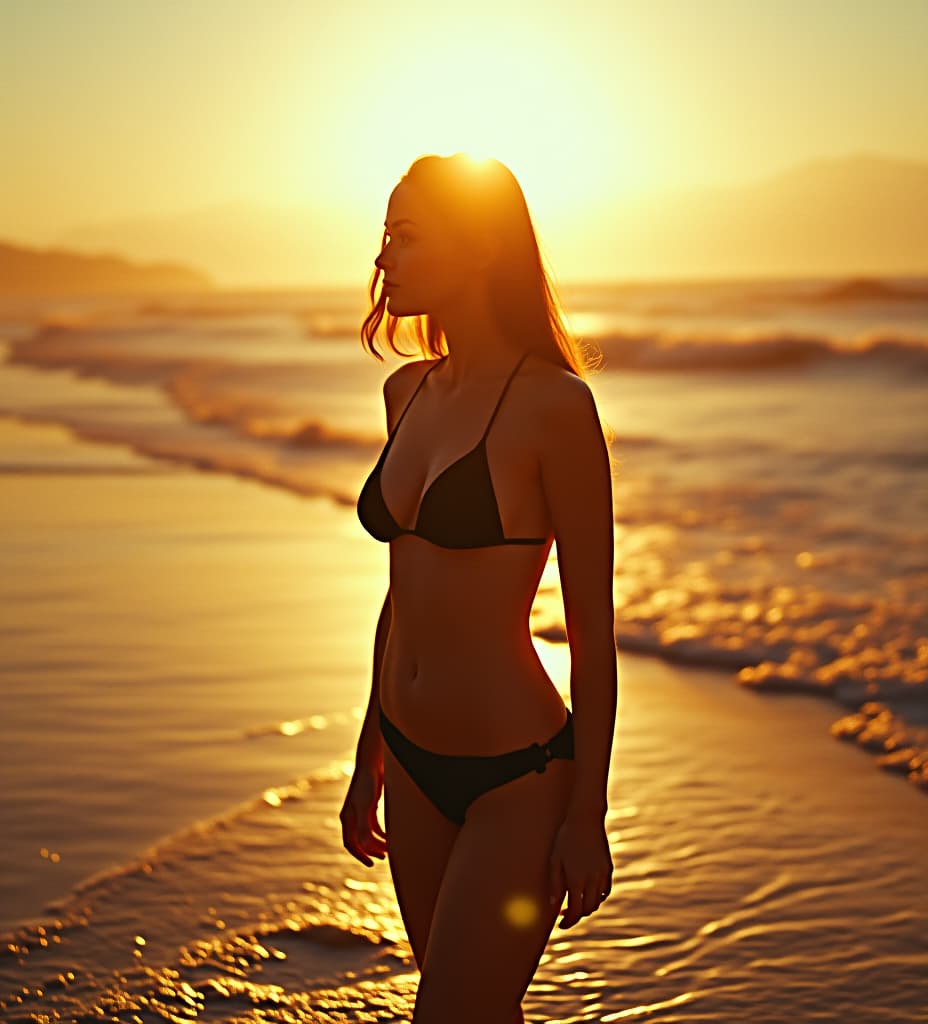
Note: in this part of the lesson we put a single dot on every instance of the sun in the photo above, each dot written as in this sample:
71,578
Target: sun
525,102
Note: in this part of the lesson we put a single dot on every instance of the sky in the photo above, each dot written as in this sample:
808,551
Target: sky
124,108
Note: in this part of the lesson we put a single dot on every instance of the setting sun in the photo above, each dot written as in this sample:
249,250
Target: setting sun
652,141
519,97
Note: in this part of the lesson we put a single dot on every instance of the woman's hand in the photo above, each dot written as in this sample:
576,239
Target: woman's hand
581,866
362,834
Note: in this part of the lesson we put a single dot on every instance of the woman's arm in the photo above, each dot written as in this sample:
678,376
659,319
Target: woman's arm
362,834
370,743
577,480
369,754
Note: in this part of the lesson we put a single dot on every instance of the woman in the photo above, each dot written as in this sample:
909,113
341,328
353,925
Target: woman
495,795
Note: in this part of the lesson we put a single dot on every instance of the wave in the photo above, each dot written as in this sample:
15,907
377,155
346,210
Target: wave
127,350
70,469
230,395
866,652
713,297
885,724
250,399
211,454
95,350
670,350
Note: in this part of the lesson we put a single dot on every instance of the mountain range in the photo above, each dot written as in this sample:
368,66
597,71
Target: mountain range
28,272
862,214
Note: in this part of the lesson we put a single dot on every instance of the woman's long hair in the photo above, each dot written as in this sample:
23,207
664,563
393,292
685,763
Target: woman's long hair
479,199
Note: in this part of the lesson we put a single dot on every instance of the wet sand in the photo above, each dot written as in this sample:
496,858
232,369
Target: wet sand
185,658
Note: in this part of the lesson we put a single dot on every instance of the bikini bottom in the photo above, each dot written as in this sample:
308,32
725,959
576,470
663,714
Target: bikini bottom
454,781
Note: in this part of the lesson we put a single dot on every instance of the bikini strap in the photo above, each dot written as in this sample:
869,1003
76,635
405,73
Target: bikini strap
413,395
503,393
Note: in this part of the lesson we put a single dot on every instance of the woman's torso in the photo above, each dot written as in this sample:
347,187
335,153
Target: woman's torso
460,673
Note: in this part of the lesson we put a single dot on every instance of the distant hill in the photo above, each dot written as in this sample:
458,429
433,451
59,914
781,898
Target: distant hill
244,242
863,289
27,272
861,215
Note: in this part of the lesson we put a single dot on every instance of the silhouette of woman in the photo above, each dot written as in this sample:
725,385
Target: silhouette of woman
495,794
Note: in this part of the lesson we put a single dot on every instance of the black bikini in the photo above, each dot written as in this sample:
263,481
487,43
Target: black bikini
454,781
458,510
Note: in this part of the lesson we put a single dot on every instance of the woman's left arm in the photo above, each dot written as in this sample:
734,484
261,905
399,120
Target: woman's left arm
577,480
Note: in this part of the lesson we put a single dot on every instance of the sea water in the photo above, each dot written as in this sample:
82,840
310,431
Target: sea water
770,499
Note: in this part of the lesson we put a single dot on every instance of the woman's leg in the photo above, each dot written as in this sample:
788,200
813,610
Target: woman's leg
419,839
492,917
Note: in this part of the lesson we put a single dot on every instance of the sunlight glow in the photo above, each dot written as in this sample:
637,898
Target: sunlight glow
520,911
522,99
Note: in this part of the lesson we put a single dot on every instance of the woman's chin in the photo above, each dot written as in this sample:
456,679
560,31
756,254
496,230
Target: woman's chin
397,307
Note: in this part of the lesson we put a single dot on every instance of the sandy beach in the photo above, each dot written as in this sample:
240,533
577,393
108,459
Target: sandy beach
186,657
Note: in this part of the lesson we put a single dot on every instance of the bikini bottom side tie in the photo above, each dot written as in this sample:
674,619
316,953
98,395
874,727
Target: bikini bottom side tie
454,781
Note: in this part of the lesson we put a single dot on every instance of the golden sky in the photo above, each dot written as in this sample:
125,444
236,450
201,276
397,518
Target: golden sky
115,109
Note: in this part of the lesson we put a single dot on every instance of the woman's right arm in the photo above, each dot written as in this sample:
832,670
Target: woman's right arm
369,756
362,834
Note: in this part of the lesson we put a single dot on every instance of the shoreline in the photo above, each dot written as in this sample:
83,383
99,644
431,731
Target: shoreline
197,795
871,721
710,575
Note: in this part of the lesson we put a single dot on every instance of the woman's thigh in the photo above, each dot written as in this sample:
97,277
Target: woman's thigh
419,840
493,918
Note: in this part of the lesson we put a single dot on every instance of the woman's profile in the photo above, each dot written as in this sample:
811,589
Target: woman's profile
495,793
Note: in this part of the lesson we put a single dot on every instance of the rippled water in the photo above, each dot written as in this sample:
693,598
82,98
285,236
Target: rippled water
772,469
759,876
770,521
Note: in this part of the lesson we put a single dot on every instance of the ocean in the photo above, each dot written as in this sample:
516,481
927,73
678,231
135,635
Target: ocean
188,616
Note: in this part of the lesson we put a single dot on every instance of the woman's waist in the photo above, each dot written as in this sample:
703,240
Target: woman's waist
472,705
453,604
462,649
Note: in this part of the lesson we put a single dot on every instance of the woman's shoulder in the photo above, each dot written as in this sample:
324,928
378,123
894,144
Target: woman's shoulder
560,411
402,382
406,376
410,370
556,391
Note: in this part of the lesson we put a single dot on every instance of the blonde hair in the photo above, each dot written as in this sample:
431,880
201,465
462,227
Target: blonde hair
479,199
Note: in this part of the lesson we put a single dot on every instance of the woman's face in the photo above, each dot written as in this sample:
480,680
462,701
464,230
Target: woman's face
423,271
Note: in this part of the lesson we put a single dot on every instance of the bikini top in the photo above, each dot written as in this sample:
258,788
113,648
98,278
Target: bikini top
458,509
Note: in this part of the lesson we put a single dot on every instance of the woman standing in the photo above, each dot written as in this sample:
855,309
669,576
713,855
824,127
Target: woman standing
495,794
